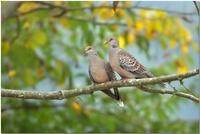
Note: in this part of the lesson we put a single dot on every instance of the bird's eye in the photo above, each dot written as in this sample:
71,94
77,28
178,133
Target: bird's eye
111,39
88,48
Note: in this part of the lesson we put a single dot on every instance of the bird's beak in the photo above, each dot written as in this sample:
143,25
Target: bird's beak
105,42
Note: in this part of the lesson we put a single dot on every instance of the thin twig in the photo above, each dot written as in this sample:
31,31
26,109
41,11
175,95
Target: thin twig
180,94
196,5
187,89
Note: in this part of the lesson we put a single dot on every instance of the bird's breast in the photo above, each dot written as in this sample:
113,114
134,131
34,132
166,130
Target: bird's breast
99,74
114,62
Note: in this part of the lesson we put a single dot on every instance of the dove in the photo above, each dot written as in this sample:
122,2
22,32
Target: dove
124,63
100,71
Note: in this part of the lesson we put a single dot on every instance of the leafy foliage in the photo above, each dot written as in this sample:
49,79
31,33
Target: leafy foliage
48,55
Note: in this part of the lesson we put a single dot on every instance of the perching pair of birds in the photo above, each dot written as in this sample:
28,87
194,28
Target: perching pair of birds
120,61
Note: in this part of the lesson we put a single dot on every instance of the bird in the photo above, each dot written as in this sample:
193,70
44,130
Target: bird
122,62
100,71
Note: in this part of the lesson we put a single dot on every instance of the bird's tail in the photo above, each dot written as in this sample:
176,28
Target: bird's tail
119,99
115,96
120,103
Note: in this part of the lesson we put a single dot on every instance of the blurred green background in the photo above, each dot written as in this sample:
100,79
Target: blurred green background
42,49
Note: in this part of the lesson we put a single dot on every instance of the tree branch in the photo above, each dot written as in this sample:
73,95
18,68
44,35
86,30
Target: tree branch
9,9
64,10
167,91
67,9
50,5
63,94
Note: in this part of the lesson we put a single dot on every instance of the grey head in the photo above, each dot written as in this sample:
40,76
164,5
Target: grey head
112,42
90,51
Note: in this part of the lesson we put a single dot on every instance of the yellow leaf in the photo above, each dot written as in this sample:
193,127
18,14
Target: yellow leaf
76,107
150,29
40,72
121,41
87,112
158,26
39,37
65,22
5,47
130,37
143,13
167,29
181,67
160,14
185,34
195,47
120,13
26,25
184,48
11,73
104,13
139,25
27,6
172,43
150,32
129,21
58,3
114,27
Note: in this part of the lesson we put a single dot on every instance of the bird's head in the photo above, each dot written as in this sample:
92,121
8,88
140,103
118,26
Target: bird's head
112,42
90,51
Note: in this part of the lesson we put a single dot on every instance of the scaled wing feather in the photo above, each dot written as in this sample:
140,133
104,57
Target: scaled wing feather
130,64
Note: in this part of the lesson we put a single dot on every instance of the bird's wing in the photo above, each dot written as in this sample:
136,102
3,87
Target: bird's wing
109,71
130,64
91,78
112,77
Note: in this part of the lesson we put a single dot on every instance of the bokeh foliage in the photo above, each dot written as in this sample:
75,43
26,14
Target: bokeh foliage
43,50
